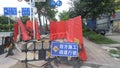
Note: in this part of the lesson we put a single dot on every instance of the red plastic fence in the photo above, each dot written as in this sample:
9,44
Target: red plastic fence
15,32
57,30
29,27
71,30
24,33
74,34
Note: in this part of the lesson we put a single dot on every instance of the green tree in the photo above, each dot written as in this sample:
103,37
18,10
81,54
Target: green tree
47,11
64,15
93,8
24,19
4,20
6,23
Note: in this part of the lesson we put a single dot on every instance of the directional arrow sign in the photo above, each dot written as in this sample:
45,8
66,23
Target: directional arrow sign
25,11
10,11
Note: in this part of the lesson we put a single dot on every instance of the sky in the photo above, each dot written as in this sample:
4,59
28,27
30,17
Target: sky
7,3
65,6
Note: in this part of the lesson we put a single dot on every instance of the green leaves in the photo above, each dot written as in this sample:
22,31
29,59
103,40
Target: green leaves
93,8
64,15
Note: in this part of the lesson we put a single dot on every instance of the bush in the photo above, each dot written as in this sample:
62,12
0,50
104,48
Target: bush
97,38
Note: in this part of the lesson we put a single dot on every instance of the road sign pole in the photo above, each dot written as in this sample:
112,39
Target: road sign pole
33,22
30,9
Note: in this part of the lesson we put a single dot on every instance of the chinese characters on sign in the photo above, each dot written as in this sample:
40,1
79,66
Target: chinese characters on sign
13,11
25,11
64,49
10,11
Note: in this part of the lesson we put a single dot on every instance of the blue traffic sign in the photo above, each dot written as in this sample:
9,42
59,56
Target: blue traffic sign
54,4
64,49
25,11
10,11
59,3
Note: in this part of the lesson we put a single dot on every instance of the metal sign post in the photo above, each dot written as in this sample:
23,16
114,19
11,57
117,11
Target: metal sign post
33,23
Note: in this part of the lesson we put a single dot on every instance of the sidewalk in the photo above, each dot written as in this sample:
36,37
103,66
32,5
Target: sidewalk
98,56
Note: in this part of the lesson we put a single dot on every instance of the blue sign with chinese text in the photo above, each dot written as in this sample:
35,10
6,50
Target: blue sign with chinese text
25,11
64,49
10,11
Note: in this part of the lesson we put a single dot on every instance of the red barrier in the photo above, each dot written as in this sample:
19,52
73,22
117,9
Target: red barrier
71,30
57,30
15,32
37,34
24,33
29,27
53,30
74,34
61,29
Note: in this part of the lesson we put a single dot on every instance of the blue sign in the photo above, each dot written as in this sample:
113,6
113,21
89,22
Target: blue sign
64,49
53,3
59,3
25,11
10,11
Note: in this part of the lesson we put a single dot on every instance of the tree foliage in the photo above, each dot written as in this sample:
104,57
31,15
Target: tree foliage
64,15
24,19
93,8
4,20
4,23
49,11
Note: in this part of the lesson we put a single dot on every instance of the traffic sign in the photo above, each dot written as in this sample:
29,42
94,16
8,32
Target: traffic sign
52,3
10,11
25,11
59,3
64,49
